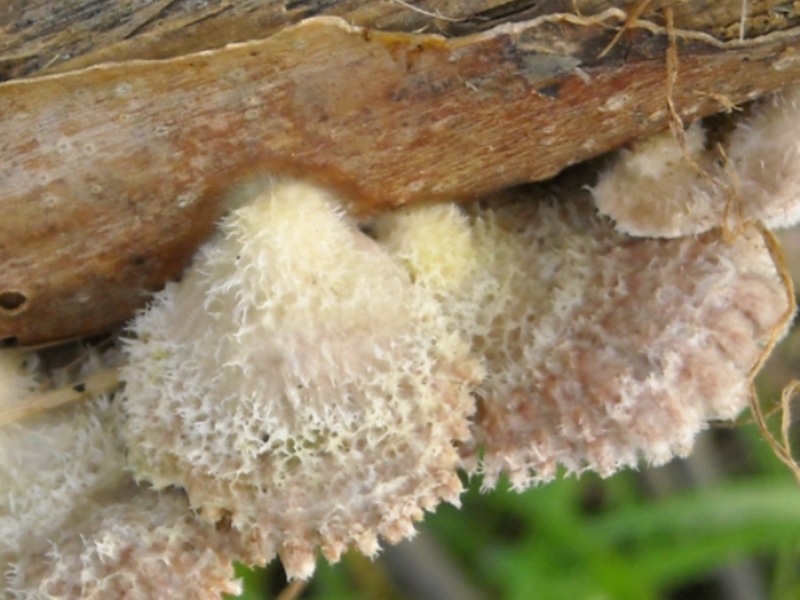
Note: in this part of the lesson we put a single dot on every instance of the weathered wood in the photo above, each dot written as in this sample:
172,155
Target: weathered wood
46,36
114,174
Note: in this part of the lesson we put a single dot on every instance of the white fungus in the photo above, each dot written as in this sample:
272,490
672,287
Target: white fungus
764,151
600,350
655,188
73,523
297,381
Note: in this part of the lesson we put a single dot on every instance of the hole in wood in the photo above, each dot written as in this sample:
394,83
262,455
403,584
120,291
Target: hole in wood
8,342
12,300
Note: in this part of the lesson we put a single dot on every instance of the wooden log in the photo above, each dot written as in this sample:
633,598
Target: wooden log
115,173
41,36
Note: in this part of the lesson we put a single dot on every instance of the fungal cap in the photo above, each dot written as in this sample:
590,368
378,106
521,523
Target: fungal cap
765,155
653,190
299,381
602,350
433,242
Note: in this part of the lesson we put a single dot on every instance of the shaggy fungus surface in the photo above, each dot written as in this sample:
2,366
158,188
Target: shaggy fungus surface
660,188
314,383
73,523
297,381
600,350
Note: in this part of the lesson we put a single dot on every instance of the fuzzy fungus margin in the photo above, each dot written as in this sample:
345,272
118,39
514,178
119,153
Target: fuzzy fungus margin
314,383
593,341
74,524
661,188
299,382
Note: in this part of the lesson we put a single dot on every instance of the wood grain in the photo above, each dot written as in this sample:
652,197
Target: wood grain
41,36
114,174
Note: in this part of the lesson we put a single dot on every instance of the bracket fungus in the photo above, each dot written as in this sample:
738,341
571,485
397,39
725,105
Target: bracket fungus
661,188
299,382
74,524
599,349
314,383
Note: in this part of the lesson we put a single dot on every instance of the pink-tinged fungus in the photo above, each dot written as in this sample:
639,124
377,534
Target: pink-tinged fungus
74,524
143,545
764,151
658,188
600,350
298,383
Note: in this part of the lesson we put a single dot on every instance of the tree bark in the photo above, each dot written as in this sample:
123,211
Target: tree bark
44,36
114,173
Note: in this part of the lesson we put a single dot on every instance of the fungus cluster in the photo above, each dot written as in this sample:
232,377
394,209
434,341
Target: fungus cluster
74,523
297,381
593,341
314,383
662,188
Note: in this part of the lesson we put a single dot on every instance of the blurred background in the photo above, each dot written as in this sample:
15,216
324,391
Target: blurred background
721,525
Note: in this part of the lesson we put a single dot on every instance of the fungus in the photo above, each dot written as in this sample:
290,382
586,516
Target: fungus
764,151
599,349
656,188
297,381
73,523
137,546
309,386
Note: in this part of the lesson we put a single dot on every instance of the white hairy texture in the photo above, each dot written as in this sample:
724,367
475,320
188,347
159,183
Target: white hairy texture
73,524
765,154
299,382
139,546
601,350
653,189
